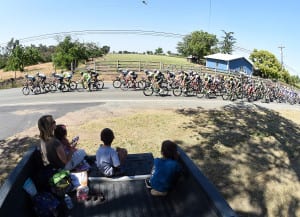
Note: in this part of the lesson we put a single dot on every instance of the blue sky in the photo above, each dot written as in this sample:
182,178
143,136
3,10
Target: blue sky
260,24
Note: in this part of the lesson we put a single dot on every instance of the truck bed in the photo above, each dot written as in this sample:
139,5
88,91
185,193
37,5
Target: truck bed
128,196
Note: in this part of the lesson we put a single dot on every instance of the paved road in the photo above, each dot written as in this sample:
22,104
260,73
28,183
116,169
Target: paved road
19,112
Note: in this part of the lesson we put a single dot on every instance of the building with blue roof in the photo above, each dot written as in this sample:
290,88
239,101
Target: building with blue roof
229,63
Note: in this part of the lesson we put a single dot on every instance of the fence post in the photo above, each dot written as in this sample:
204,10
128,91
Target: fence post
160,65
117,65
94,66
12,82
139,66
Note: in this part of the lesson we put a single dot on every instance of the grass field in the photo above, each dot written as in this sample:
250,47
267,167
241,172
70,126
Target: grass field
172,60
48,68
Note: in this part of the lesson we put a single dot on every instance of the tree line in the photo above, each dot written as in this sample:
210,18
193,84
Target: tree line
66,55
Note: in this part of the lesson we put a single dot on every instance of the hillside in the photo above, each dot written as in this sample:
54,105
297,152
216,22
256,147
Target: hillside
47,68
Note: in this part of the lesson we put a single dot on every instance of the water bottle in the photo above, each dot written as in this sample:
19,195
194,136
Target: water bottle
68,201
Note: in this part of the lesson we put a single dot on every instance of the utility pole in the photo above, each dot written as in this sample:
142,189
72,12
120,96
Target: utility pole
281,54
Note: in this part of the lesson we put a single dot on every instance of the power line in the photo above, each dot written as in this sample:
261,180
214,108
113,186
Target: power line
86,32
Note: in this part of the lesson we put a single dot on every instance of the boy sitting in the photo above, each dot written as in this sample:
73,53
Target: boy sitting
109,160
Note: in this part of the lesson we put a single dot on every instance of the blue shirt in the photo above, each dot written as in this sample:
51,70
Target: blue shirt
164,174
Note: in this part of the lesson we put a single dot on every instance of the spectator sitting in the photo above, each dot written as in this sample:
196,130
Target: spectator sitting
109,160
52,149
61,133
77,160
165,170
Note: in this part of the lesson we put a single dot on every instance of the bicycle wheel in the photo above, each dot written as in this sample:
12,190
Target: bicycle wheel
233,96
125,85
201,93
164,91
226,96
189,92
177,91
36,90
100,84
53,88
47,87
141,84
25,91
116,83
64,88
148,91
73,85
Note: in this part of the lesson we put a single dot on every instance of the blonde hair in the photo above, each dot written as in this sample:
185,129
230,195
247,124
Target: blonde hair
45,126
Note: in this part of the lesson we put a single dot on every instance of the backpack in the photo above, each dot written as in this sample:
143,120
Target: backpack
61,183
46,204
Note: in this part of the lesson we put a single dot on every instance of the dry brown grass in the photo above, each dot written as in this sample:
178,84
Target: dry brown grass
46,68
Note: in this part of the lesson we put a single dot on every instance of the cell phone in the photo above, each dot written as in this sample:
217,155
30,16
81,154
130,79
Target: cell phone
74,140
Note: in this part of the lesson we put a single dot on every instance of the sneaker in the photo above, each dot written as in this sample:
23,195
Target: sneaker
158,193
147,183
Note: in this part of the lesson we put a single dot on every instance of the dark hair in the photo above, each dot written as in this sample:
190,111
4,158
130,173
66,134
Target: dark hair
169,149
107,136
60,131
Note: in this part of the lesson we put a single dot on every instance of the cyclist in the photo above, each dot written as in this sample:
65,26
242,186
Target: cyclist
58,76
149,74
30,79
67,75
41,77
170,75
132,76
85,78
158,78
94,75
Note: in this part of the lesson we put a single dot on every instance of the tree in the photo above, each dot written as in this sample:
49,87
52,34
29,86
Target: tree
266,64
31,55
105,49
16,59
198,44
68,53
159,51
46,52
227,43
149,52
